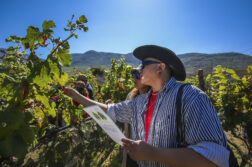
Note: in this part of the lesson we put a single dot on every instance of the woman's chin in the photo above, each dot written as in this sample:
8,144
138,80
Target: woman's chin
142,81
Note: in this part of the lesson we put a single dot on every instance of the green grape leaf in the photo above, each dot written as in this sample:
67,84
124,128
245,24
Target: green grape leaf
51,111
28,116
13,146
245,100
10,121
85,29
8,87
63,78
235,76
41,76
55,68
13,38
42,79
222,88
48,31
219,75
35,60
66,45
82,19
64,56
44,99
10,49
33,34
230,71
48,24
27,133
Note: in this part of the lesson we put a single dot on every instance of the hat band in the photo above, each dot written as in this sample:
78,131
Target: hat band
147,62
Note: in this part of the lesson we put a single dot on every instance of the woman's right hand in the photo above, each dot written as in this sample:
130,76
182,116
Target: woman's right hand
109,101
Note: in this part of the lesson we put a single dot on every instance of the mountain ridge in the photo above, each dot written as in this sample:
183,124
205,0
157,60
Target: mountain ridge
192,61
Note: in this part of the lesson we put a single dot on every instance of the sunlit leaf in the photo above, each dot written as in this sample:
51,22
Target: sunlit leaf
65,57
82,19
222,88
42,78
235,76
44,99
33,34
48,24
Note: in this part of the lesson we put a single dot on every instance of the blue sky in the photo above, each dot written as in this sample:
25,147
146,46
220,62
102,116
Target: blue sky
208,26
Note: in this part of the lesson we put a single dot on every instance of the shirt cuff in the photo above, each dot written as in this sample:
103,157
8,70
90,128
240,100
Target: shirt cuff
111,112
213,152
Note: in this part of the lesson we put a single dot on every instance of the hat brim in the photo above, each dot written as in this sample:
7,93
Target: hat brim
164,55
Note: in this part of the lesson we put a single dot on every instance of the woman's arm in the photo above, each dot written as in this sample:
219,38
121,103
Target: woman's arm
75,95
176,157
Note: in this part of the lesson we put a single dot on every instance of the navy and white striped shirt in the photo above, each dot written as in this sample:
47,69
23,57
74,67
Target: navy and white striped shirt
203,130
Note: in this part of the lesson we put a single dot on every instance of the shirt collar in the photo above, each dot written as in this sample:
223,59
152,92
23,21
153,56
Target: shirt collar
170,83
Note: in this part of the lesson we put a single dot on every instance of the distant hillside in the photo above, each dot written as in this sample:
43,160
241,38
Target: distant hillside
93,58
192,61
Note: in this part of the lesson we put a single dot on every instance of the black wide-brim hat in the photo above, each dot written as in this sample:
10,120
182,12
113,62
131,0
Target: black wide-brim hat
165,55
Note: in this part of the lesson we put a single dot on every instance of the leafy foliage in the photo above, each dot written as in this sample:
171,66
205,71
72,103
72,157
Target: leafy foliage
46,106
119,81
27,84
232,99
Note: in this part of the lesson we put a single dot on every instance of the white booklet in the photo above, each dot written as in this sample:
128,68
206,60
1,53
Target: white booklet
105,123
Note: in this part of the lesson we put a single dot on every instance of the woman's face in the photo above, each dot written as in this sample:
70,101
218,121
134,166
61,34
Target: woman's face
149,72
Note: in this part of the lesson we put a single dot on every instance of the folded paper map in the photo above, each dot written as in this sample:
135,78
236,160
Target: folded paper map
105,122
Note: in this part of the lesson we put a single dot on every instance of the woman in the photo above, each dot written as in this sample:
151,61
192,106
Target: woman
153,116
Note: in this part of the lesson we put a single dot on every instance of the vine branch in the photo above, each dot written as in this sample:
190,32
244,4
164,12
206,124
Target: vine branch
54,50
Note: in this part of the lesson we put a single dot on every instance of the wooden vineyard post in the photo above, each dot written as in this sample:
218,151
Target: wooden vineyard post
201,80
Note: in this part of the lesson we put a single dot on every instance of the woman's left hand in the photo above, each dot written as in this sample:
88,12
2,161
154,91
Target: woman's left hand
138,150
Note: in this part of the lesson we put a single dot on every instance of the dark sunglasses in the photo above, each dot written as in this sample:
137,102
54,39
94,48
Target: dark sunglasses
147,62
135,75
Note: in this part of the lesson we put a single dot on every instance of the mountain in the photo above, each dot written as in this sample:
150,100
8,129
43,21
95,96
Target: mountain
192,61
93,58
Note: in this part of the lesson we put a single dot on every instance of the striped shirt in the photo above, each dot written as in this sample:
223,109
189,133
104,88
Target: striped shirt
203,130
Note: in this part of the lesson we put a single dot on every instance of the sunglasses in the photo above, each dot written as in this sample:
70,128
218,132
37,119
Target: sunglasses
147,62
135,75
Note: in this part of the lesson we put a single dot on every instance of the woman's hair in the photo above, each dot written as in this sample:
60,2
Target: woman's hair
135,92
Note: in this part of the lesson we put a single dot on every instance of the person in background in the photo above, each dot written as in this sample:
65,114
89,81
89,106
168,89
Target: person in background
81,88
137,90
84,78
153,116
